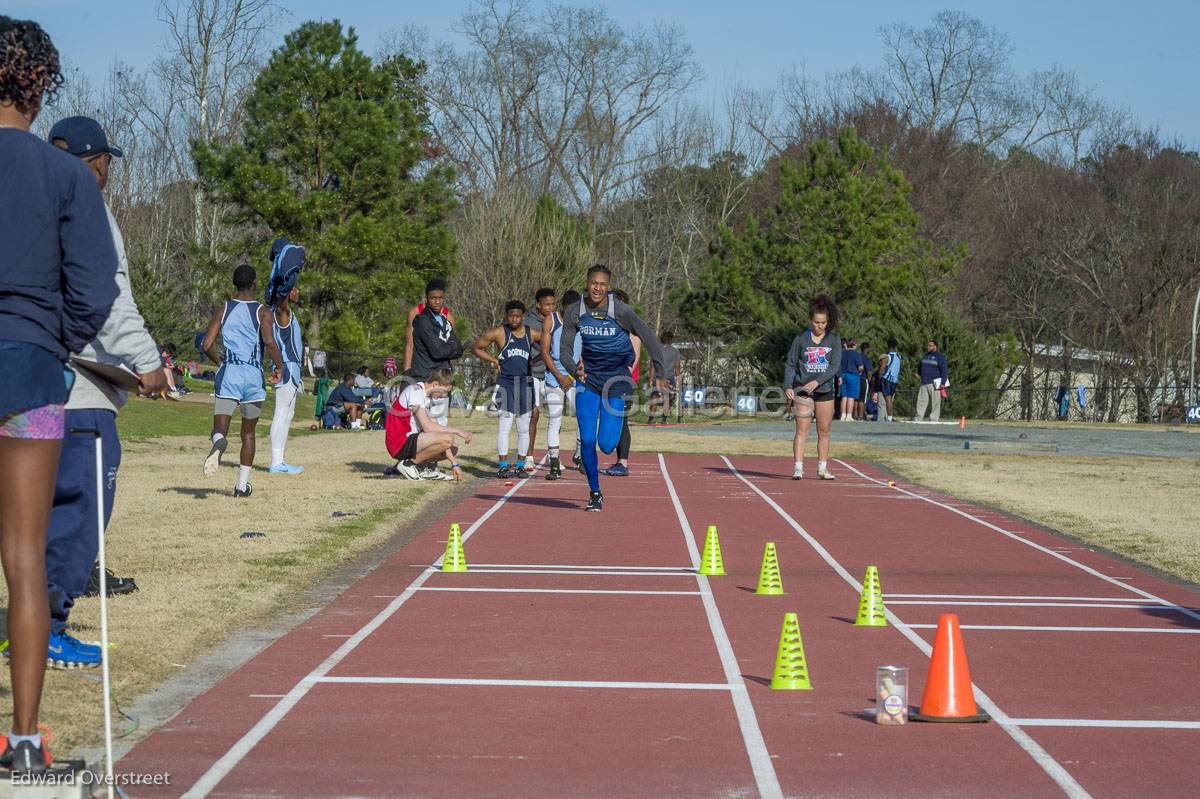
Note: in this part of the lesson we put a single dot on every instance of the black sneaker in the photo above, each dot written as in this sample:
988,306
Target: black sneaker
212,461
555,472
595,502
113,584
25,758
237,492
505,473
577,461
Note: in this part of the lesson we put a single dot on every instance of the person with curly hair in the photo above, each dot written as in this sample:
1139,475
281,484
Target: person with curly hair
58,271
810,372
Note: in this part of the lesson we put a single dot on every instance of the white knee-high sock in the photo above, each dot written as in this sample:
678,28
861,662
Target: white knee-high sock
523,434
506,423
285,410
554,407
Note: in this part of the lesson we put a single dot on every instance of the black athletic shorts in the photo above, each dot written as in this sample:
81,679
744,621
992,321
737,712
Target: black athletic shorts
409,450
819,396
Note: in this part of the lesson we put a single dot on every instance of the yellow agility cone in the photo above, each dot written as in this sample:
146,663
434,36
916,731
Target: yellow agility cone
791,671
769,581
455,559
870,605
710,562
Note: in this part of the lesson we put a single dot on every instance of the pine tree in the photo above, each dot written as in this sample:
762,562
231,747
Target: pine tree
331,156
842,226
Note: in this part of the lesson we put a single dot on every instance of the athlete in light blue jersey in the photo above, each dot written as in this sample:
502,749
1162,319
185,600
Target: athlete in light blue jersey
287,260
558,381
244,326
604,325
890,378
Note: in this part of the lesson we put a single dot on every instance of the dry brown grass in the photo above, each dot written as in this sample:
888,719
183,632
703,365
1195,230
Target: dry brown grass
1142,508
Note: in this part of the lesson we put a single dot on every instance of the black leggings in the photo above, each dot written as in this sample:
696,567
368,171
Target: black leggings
625,442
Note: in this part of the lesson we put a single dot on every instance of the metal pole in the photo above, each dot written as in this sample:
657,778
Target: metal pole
1192,380
108,740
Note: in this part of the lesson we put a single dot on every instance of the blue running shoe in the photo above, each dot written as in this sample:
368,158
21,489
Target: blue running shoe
64,652
82,646
285,468
617,470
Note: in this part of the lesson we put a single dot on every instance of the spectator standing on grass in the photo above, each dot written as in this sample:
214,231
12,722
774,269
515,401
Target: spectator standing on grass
431,343
57,287
71,540
889,378
287,260
864,381
850,378
932,371
810,372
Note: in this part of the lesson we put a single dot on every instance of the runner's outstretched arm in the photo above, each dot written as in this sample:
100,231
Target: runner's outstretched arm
628,319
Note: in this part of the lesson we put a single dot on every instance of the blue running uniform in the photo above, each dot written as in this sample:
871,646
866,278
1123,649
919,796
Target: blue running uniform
515,380
240,377
291,345
607,355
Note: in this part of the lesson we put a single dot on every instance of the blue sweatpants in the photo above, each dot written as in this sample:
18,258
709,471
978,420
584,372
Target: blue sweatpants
599,423
71,540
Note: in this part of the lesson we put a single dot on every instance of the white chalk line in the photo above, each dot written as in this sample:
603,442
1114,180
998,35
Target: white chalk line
506,683
1048,764
756,747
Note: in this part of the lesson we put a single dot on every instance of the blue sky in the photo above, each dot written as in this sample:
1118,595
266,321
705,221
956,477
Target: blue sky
1144,57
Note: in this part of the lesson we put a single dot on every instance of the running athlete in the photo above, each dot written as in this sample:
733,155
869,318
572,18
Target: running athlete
287,259
514,341
604,325
415,439
558,382
812,366
244,326
544,306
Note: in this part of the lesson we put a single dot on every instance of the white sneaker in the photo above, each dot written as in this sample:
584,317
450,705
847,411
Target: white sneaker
530,467
409,470
825,474
430,473
798,472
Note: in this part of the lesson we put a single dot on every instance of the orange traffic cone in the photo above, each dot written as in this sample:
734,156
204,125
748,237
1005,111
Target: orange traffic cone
948,695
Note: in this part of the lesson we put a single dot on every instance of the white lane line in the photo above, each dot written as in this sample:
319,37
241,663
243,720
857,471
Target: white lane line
1048,550
1141,724
1013,597
1052,767
672,686
219,770
1025,604
1054,629
756,747
560,591
475,566
266,696
585,571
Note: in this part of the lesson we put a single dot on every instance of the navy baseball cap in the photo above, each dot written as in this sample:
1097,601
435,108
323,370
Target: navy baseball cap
84,137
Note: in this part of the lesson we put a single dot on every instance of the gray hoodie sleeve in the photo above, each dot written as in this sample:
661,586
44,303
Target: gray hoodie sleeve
628,319
123,341
790,363
566,345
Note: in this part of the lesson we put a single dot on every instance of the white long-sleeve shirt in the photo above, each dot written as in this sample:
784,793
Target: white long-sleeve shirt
123,341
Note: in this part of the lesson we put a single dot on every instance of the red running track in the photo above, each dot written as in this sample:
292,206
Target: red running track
581,655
